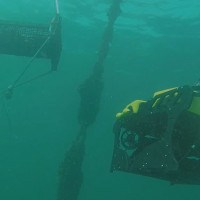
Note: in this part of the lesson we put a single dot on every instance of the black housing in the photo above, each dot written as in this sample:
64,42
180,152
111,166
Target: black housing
161,142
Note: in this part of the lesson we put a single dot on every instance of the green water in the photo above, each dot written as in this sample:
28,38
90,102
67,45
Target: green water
156,45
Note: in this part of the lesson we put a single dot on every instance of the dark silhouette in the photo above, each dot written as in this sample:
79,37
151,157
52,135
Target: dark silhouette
71,175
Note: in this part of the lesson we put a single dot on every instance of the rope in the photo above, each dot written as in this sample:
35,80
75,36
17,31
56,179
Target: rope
33,79
2,94
57,7
7,115
29,63
8,92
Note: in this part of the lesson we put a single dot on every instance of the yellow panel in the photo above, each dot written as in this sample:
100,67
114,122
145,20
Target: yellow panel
163,91
135,107
195,107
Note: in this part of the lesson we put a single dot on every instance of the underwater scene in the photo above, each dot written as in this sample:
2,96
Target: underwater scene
99,99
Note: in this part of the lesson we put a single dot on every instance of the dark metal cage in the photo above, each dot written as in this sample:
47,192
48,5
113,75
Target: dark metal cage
25,40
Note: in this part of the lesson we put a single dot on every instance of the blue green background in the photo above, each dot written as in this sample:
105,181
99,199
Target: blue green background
156,45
